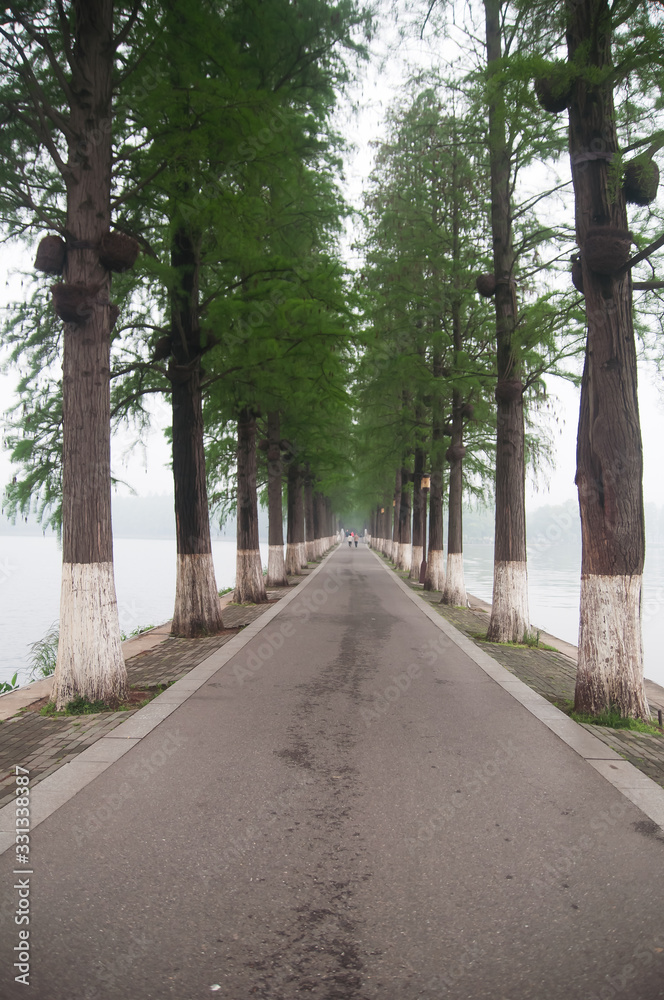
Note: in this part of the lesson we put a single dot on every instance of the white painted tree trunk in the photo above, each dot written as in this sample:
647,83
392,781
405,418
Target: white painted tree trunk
293,566
417,556
90,661
435,578
405,556
197,610
510,619
303,555
610,645
310,549
455,585
249,581
276,567
389,545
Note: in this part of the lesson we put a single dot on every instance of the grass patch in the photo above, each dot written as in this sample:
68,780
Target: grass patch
226,590
78,706
613,720
531,641
81,706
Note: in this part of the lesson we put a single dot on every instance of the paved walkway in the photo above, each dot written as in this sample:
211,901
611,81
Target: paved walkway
45,744
348,800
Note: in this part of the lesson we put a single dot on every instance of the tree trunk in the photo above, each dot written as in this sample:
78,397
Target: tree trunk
249,582
276,566
309,527
455,586
329,522
386,527
295,528
90,661
509,613
396,527
405,542
197,609
320,547
435,575
609,453
419,512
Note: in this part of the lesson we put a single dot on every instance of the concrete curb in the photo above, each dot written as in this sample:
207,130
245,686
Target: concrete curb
645,793
57,788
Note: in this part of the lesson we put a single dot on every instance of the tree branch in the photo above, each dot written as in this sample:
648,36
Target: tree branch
122,35
46,48
642,254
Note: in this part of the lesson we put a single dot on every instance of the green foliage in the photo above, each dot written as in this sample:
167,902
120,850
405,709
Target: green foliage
44,653
11,685
222,126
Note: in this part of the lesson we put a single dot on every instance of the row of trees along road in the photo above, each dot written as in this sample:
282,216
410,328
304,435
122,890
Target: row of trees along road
188,128
203,132
599,62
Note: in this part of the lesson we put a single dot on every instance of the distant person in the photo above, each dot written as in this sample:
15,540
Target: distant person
350,540
356,540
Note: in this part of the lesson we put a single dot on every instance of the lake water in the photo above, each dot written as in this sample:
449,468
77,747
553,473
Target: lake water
30,570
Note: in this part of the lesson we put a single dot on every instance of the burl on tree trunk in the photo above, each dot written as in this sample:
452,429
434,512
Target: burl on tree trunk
609,454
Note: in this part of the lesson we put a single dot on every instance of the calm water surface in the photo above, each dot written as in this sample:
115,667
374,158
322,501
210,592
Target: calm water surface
145,583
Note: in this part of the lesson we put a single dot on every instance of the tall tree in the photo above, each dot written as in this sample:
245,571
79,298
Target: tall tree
609,453
510,619
58,95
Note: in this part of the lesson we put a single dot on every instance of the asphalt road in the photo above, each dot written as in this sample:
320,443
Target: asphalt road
350,808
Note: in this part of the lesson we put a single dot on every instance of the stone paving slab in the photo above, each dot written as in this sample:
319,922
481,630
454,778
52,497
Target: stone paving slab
552,675
43,745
